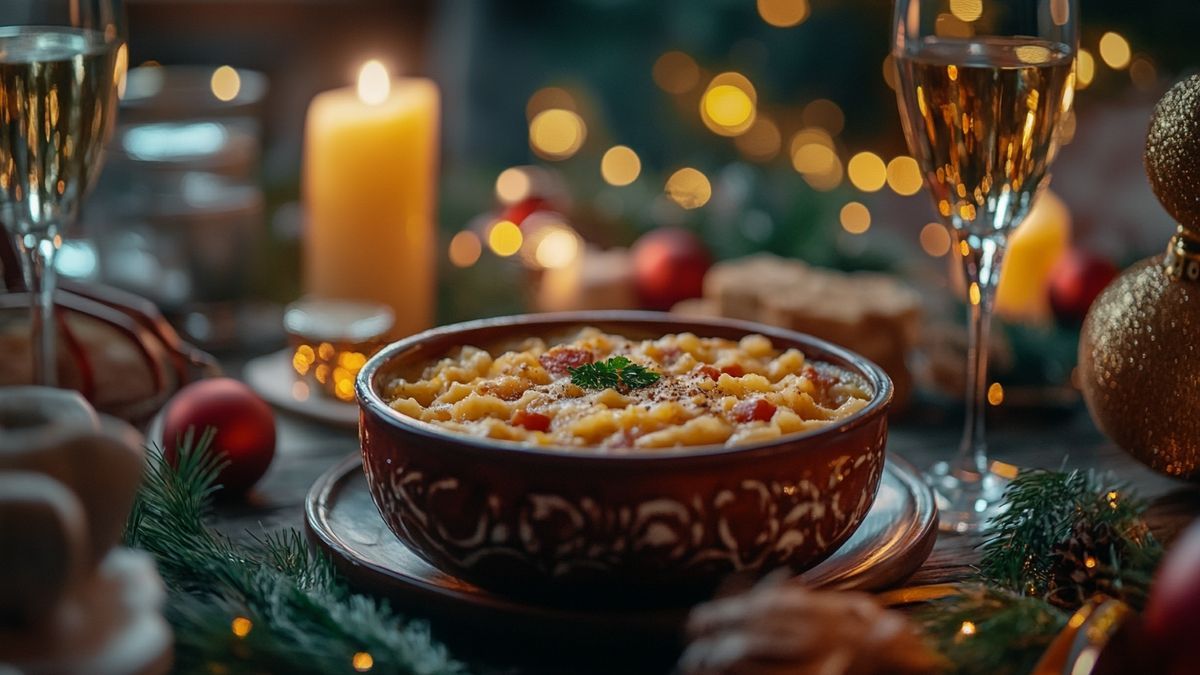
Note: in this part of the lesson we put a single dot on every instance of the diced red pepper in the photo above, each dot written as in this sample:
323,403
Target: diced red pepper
530,420
735,370
754,409
560,360
818,377
709,372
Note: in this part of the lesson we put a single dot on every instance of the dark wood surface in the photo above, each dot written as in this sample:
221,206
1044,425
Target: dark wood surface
1062,439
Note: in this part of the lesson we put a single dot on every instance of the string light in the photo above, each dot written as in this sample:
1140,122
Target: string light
855,218
557,133
505,238
676,73
904,176
867,171
620,166
761,141
1085,69
728,104
689,188
967,628
225,83
362,662
935,240
513,185
465,249
995,393
783,13
1115,51
241,626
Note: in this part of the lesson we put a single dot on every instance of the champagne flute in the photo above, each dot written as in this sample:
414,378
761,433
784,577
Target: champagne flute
983,86
61,63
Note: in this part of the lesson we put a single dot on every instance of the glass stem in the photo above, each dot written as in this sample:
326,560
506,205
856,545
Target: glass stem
40,251
981,266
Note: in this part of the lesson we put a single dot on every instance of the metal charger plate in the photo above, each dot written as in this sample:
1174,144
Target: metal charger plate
893,541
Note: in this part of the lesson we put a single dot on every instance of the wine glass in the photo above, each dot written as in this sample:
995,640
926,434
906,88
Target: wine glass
61,63
982,88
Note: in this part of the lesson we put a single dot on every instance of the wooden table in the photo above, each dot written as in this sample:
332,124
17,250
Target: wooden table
305,450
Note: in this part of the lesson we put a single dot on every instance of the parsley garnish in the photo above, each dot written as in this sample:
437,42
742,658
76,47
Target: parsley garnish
615,373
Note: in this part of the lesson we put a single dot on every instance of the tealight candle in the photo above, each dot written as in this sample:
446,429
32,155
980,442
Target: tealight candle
370,178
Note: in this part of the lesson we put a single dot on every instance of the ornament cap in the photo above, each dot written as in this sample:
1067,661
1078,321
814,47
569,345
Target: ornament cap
1182,260
1172,156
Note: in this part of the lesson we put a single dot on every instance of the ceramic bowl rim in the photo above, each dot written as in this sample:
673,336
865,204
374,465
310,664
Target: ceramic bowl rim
372,403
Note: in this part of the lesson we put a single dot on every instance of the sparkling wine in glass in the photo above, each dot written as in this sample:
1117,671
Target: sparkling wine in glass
61,63
982,88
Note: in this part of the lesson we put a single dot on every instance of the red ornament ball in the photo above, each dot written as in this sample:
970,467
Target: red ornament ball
1075,283
668,266
1172,617
244,424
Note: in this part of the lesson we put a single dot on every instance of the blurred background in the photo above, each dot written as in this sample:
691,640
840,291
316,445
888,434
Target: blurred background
758,126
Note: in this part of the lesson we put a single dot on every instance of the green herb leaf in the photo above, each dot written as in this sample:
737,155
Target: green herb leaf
617,372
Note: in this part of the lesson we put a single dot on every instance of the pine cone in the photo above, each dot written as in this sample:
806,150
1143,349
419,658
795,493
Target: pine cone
1085,565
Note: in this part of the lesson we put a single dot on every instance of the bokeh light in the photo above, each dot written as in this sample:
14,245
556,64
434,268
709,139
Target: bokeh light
814,157
950,26
1114,50
935,240
513,185
241,626
557,133
465,249
825,114
1143,74
556,248
1085,69
995,393
620,165
867,171
904,176
505,238
728,104
689,188
783,13
362,662
855,218
225,83
762,140
676,73
966,10
547,98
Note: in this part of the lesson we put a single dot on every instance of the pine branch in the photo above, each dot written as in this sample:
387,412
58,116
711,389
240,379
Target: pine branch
270,606
990,631
1043,509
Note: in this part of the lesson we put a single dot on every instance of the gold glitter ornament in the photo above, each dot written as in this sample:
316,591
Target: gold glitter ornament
1139,363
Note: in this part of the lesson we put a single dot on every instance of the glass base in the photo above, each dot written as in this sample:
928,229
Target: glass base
966,500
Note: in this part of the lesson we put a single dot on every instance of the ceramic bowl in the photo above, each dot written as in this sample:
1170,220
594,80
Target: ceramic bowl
579,524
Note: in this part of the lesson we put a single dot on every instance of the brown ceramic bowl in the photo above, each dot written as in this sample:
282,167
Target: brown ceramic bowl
576,524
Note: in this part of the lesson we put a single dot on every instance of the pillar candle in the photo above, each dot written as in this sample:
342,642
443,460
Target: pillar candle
370,182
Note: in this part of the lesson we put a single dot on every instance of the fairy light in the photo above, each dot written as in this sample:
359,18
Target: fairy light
784,13
556,248
995,393
1112,499
867,171
1090,562
1115,51
241,626
303,359
465,249
557,133
225,83
362,662
762,140
676,73
620,166
513,185
904,176
973,294
505,238
966,10
824,114
967,628
728,105
1085,69
855,218
1143,73
689,188
547,98
935,240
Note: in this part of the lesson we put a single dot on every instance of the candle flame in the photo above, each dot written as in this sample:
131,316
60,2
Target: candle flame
373,83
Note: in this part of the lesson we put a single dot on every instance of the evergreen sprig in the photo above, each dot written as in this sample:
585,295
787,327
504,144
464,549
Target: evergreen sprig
1044,508
294,614
617,372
